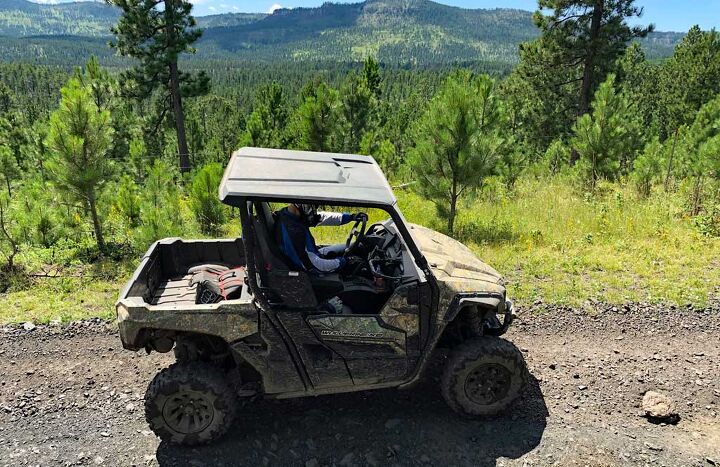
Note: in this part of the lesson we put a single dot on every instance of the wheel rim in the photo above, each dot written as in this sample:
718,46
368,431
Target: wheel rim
488,383
188,411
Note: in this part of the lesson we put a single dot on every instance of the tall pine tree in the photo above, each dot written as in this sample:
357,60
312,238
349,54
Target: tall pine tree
580,43
156,32
79,140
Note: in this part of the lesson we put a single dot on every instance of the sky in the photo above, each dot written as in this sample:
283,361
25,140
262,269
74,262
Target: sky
667,15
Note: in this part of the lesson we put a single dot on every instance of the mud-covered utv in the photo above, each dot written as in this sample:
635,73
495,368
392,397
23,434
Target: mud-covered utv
243,321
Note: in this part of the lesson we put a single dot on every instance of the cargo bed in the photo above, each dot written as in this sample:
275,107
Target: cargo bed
163,279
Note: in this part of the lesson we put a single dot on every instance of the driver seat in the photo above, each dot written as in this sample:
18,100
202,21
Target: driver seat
281,280
281,284
325,285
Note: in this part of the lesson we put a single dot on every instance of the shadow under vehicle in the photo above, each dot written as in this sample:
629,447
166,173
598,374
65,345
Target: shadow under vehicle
243,322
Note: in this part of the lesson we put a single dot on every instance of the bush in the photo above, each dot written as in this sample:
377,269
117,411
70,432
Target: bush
556,157
708,222
160,207
648,167
210,213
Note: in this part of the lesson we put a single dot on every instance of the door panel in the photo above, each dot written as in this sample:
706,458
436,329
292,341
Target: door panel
342,349
373,350
325,367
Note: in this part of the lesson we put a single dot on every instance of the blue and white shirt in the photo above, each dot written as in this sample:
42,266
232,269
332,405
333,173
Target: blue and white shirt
298,244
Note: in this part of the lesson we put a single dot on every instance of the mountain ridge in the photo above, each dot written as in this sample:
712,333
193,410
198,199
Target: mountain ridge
417,32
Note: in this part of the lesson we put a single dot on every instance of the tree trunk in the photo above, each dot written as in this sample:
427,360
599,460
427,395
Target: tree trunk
453,208
96,223
697,195
175,90
670,161
179,118
587,79
13,244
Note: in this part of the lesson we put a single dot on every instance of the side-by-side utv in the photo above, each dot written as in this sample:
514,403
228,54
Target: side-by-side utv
244,320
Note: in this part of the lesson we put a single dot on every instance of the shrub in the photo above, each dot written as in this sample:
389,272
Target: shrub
210,213
160,206
648,167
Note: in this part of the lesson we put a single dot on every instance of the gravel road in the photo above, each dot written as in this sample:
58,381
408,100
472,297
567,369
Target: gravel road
69,395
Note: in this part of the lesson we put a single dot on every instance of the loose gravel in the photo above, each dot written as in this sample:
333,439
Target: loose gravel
70,396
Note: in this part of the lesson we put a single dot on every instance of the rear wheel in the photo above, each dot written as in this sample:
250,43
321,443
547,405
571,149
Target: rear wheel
484,376
190,403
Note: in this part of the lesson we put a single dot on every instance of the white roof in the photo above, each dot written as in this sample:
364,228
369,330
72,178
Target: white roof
303,175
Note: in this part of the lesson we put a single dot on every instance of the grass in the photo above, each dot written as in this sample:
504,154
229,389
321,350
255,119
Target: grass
550,241
554,243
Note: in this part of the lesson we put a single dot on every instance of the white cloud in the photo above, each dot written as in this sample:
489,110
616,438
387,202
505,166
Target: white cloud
275,6
47,2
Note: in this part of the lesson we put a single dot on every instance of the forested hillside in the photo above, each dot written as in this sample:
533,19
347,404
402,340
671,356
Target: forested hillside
20,18
23,18
415,32
587,172
406,31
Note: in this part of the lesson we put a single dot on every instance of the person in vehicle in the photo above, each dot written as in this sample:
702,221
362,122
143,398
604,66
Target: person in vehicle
292,232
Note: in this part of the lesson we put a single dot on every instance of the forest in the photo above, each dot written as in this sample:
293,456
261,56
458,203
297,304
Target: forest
407,32
584,173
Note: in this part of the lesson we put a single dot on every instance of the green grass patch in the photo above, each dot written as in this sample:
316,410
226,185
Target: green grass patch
66,293
550,241
558,245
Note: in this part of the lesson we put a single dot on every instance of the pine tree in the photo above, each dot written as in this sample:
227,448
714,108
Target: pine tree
358,104
315,124
8,233
8,168
6,98
648,167
127,201
156,32
603,137
79,139
160,205
689,79
39,217
580,43
371,77
266,125
210,213
458,142
556,156
701,151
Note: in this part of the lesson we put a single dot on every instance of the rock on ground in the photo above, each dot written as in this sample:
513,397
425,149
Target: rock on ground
658,405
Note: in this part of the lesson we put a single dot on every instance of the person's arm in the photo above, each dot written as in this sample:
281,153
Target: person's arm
323,264
337,218
327,218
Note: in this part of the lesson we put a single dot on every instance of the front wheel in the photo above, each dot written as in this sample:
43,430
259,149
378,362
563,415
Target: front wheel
484,376
190,403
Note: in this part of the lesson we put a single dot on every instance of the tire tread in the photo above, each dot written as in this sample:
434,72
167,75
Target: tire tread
190,373
468,353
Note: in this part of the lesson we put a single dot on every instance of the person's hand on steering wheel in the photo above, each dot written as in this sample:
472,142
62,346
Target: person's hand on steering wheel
356,233
360,217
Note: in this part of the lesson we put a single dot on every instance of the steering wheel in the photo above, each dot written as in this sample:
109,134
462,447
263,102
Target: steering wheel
357,233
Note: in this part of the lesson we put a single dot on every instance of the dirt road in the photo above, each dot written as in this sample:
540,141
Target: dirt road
71,396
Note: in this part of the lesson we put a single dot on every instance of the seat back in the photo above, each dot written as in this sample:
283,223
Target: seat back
280,283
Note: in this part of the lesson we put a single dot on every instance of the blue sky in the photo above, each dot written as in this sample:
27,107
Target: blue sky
668,15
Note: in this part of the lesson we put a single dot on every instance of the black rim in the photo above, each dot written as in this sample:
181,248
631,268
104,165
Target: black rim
188,411
488,383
